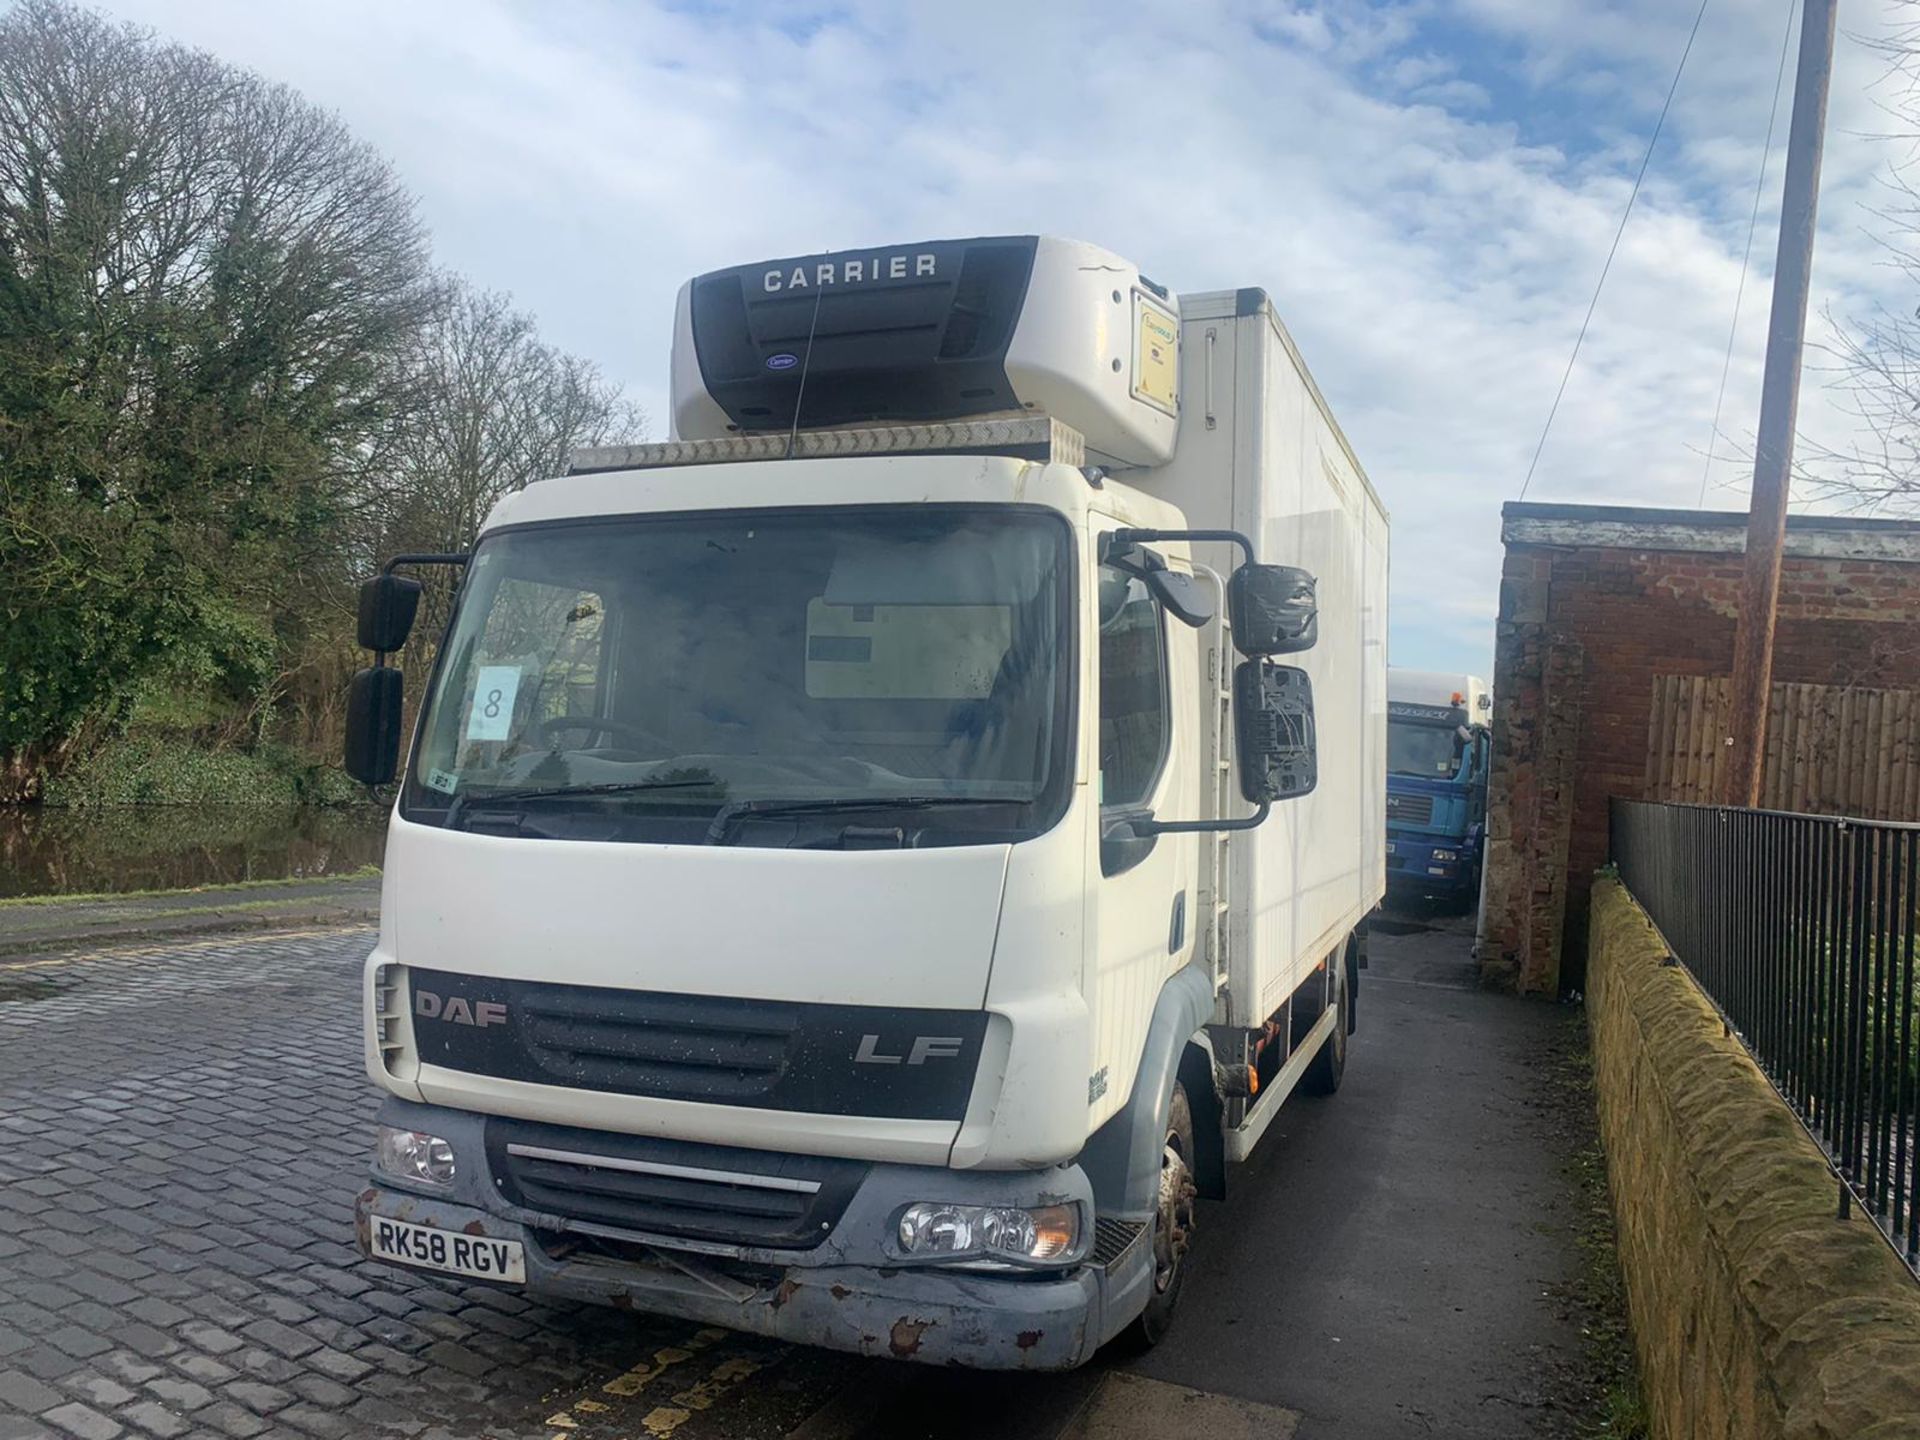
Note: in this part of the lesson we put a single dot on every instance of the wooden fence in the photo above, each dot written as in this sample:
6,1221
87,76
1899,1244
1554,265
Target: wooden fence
1830,750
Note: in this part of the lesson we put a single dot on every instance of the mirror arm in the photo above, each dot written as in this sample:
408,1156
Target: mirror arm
1229,537
1149,826
446,558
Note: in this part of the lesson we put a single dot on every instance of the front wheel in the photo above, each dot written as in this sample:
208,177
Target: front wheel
1172,1225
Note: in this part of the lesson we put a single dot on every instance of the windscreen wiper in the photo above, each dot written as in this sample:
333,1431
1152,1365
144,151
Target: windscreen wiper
730,814
458,805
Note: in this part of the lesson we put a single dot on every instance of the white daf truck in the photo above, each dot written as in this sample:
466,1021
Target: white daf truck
861,870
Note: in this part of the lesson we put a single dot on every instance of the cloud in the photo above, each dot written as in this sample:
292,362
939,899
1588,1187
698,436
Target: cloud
1428,191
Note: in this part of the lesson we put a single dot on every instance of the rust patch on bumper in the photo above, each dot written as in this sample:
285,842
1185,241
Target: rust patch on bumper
905,1339
1027,1339
784,1293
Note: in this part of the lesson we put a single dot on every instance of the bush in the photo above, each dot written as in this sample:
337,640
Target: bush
170,770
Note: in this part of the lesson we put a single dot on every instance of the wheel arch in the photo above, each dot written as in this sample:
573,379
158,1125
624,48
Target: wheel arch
1122,1159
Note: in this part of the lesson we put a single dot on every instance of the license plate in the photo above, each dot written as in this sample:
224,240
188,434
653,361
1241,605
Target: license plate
474,1255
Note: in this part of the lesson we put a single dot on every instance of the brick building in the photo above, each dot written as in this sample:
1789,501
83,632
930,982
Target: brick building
1598,605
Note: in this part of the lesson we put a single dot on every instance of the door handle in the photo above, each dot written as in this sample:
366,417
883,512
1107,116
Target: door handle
1177,927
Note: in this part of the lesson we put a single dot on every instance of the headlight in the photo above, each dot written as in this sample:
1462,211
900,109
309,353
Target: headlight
1446,856
414,1155
989,1231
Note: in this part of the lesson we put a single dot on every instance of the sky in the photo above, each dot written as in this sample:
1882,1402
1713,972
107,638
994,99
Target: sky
1427,188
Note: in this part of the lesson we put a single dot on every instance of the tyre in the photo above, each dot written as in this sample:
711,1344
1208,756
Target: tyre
1172,1226
1323,1074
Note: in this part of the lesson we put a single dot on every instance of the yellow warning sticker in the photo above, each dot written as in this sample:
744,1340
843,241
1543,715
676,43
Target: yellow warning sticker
1156,354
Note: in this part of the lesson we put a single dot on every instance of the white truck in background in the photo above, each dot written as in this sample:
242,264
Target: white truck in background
860,871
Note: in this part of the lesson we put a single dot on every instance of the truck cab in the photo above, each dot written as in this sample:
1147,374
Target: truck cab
1438,759
820,892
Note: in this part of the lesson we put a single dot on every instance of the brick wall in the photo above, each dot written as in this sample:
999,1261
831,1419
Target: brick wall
1594,602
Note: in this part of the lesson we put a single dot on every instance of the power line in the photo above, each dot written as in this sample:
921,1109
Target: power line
1658,125
1766,152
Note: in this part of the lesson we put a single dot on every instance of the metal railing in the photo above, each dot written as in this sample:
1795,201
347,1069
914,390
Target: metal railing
1801,930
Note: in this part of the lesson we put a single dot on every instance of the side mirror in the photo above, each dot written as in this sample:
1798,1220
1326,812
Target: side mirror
1274,610
388,603
373,723
1273,731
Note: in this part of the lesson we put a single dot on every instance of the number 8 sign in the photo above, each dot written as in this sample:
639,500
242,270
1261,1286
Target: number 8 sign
491,716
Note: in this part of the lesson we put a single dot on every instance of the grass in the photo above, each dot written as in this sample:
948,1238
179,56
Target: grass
365,872
1615,1410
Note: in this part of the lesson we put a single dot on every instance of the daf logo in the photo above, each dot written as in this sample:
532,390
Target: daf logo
866,269
923,1049
456,1011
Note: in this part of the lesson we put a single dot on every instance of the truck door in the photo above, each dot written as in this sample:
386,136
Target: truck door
1145,910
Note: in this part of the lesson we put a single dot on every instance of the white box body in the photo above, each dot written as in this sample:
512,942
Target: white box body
1261,453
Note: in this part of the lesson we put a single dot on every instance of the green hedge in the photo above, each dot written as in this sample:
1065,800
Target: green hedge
164,770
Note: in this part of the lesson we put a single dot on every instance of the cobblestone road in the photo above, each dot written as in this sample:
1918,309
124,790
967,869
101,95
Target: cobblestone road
182,1130
183,1126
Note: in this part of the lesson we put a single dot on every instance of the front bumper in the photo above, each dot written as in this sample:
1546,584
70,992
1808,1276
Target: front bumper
1412,863
842,1294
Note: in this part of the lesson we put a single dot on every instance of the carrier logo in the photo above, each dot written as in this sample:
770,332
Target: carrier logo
785,360
456,1011
923,1049
863,271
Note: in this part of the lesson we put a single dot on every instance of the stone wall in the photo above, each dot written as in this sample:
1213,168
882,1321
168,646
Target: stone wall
1755,1312
1595,601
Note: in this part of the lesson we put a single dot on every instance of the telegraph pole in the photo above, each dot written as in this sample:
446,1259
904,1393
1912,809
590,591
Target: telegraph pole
1779,402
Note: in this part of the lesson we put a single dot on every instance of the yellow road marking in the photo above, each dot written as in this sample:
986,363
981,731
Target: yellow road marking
664,1418
641,1375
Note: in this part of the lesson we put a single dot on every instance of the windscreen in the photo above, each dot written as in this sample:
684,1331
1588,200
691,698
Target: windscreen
793,677
1423,748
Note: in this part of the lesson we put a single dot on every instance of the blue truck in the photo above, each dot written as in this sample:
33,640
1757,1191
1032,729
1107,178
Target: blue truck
1438,749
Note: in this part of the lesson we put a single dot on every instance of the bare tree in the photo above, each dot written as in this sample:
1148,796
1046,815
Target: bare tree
1874,360
491,408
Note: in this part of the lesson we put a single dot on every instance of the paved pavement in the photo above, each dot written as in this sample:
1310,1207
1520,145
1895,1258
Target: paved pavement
38,924
183,1125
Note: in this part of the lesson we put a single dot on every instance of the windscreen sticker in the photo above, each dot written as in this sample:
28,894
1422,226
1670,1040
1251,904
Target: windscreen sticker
442,780
492,714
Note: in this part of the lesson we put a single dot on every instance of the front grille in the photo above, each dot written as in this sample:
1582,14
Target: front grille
908,333
986,302
674,1045
718,1050
670,1187
1410,809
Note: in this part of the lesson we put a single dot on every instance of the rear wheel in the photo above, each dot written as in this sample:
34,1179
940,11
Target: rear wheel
1324,1072
1172,1225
